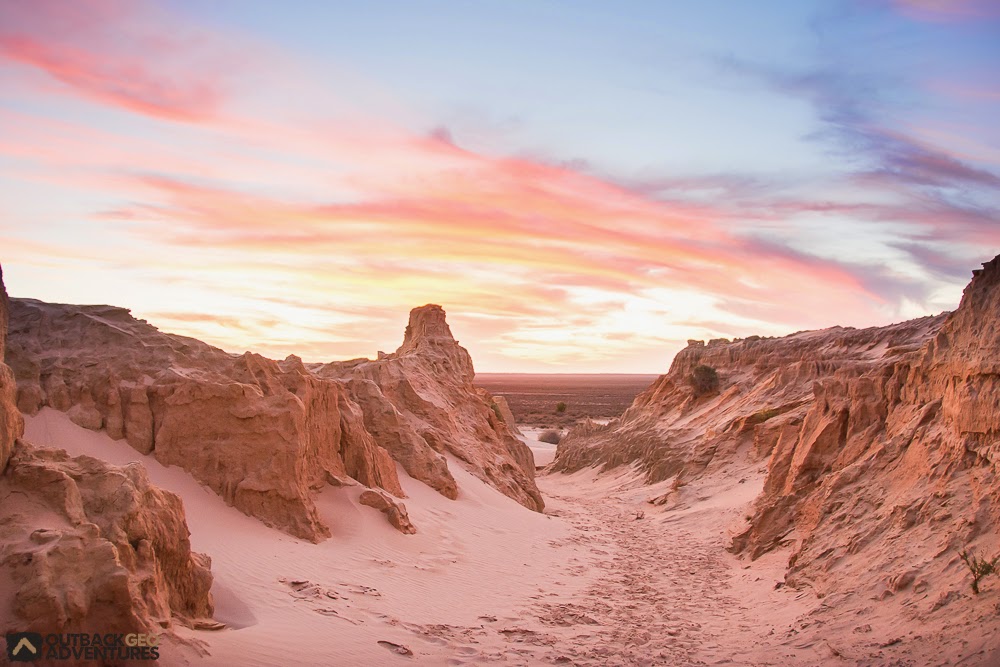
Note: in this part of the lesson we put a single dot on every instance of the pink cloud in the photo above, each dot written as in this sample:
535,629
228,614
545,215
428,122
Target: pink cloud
121,54
556,235
347,214
942,11
967,91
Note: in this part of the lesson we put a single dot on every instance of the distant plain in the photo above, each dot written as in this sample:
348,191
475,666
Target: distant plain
534,398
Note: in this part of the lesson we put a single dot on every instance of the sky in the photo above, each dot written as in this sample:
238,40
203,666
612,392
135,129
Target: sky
584,186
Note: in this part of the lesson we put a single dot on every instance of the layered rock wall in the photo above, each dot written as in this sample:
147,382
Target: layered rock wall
905,453
85,546
872,439
11,422
765,384
266,435
421,404
262,434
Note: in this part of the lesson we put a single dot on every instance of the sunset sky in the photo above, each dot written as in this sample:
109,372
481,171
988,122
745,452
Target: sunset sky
582,185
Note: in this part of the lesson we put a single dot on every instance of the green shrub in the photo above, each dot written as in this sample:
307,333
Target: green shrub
704,379
979,567
560,407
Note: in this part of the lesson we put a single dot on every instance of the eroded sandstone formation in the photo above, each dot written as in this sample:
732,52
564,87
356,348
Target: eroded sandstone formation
266,435
881,445
904,453
86,546
420,404
11,422
394,510
91,547
502,409
766,387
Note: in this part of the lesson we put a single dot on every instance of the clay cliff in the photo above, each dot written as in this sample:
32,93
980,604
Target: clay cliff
765,388
420,403
11,422
879,446
91,547
86,546
912,445
267,435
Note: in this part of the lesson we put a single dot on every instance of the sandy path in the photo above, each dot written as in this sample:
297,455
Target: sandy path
484,581
667,592
656,596
659,590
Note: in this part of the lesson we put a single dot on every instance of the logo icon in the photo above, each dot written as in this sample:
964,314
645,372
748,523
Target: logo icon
24,646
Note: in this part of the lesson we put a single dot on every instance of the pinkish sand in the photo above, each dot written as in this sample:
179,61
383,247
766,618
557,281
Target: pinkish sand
602,578
544,452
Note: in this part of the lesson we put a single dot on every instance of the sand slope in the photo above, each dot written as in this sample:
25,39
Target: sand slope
288,601
487,581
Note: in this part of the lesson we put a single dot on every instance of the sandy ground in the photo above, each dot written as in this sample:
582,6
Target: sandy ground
544,452
453,594
602,578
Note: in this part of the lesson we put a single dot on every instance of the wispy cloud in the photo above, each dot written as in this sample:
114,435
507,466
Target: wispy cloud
122,54
889,175
317,235
947,10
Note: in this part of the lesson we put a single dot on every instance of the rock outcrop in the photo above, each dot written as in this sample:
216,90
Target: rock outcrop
420,404
91,547
266,435
906,452
881,445
502,410
394,511
766,387
85,546
11,422
262,434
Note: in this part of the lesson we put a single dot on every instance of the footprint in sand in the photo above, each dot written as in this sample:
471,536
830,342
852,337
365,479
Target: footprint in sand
395,648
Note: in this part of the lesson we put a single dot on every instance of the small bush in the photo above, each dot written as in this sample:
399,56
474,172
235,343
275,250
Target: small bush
979,567
560,407
551,436
704,379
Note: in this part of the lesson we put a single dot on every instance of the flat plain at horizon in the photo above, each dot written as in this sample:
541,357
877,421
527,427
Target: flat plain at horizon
534,397
580,375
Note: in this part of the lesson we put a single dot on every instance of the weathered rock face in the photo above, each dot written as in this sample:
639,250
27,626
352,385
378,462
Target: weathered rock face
266,435
394,511
882,445
907,452
263,434
961,366
765,386
11,422
85,546
420,404
91,547
501,408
